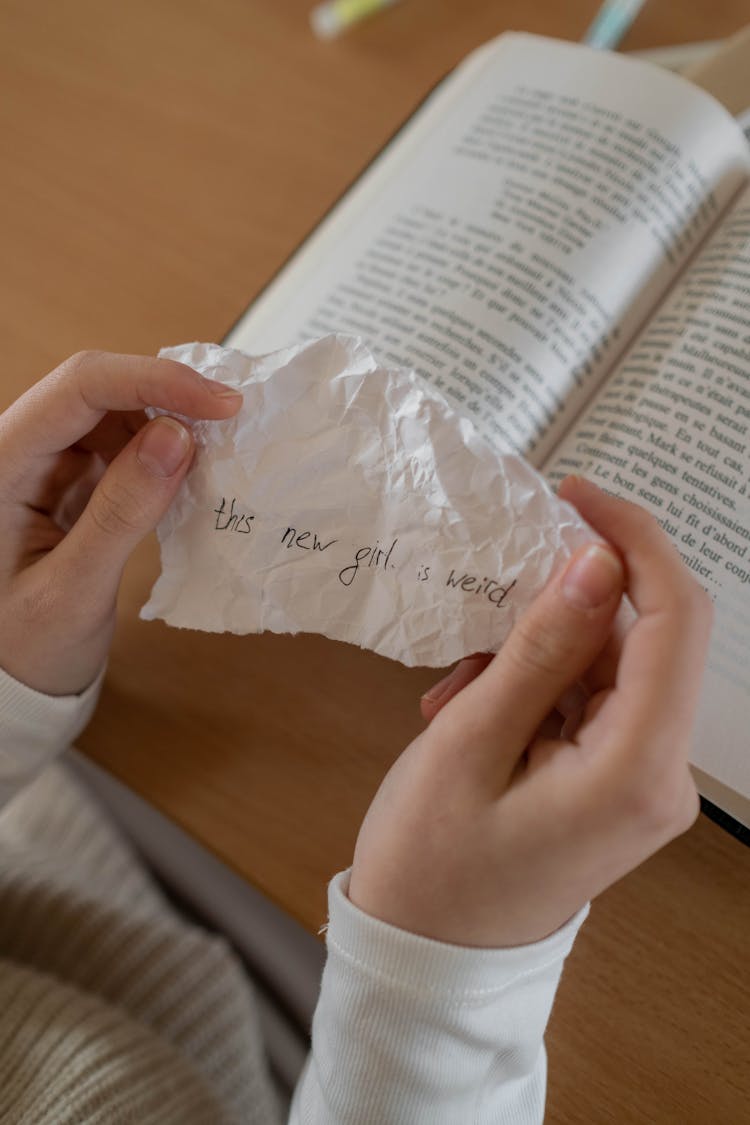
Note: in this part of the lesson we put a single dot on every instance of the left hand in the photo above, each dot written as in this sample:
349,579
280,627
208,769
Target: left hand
83,478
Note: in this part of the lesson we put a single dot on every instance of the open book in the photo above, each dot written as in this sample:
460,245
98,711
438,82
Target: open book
559,241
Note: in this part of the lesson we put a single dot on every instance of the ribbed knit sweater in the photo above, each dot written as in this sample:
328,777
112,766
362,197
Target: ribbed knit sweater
114,1010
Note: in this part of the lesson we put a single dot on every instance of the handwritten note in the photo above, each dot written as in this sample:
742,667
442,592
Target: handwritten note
350,500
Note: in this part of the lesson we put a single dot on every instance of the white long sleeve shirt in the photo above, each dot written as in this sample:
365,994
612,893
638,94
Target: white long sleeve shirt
407,1031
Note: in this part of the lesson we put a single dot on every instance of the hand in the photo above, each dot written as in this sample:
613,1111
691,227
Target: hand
83,478
488,830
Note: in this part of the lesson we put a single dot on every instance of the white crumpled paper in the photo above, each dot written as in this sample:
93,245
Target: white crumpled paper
352,501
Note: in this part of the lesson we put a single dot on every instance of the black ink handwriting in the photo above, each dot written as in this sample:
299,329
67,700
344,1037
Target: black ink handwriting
473,585
367,557
293,538
234,521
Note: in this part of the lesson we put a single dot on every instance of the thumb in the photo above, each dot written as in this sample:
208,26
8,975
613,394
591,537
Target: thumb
548,650
127,503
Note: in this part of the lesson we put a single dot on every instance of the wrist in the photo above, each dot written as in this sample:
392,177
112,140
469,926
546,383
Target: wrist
428,963
58,667
369,919
34,727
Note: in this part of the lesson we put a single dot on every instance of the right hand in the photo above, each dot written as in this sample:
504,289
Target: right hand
488,831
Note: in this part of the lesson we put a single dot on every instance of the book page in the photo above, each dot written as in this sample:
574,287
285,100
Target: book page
671,430
511,238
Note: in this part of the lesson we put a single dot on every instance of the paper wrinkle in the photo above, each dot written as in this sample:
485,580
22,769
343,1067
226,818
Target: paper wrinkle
330,443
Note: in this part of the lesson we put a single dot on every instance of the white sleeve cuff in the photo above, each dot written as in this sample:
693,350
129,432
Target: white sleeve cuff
34,728
413,1030
454,972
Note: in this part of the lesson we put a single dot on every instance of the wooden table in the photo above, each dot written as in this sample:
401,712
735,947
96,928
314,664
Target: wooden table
159,161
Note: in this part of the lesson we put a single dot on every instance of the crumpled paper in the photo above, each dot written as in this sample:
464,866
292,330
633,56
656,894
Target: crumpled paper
353,501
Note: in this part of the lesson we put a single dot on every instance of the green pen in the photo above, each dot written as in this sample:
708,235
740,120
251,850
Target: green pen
330,19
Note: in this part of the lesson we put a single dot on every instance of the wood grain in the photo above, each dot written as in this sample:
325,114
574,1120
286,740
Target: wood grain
160,162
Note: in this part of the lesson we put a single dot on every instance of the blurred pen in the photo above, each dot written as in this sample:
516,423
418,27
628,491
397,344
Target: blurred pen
612,21
336,16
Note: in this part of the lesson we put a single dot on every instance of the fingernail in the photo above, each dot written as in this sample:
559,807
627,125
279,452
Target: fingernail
221,390
592,577
571,480
573,699
571,724
163,447
438,690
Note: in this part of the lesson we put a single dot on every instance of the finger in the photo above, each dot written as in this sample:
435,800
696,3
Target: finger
63,492
603,672
112,433
586,713
127,503
70,401
663,653
548,650
73,501
444,690
572,700
54,476
44,485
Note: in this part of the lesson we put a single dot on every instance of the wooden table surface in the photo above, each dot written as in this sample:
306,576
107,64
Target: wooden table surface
160,160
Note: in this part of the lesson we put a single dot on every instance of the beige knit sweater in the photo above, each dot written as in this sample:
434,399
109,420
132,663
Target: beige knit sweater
114,1010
